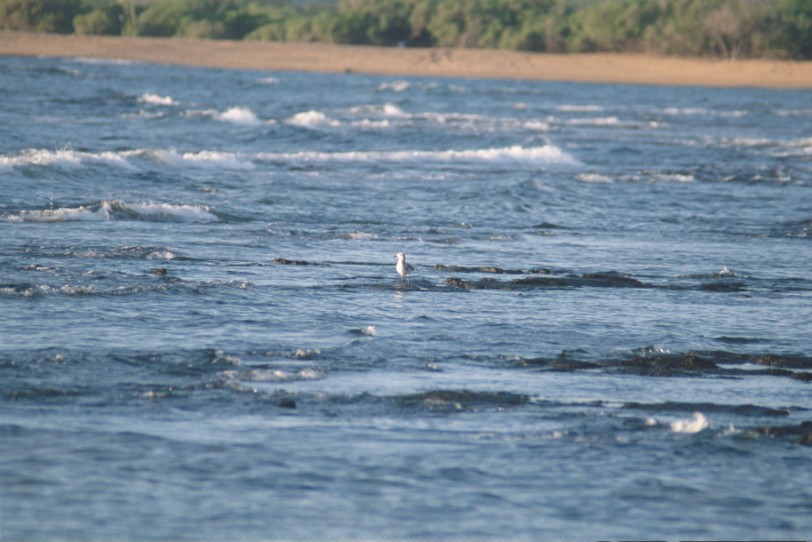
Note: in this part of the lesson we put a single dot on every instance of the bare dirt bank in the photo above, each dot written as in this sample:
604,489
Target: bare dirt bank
597,68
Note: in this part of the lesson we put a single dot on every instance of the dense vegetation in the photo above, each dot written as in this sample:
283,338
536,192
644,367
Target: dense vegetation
723,28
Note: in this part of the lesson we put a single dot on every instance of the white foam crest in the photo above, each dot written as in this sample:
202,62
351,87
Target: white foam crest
805,143
168,211
45,289
118,210
66,214
154,99
453,121
536,125
690,426
594,178
392,110
568,108
367,123
674,177
276,375
599,121
445,118
385,110
204,159
394,86
725,272
238,115
109,158
746,142
42,157
693,111
143,115
547,154
62,158
269,81
654,176
312,118
361,236
675,111
113,61
166,255
797,147
794,112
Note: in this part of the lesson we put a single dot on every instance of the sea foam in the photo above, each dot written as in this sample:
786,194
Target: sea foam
597,122
311,119
394,86
154,99
238,115
694,425
546,154
203,160
62,158
117,210
567,108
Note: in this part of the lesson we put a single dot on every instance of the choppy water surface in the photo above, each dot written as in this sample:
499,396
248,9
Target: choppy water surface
607,333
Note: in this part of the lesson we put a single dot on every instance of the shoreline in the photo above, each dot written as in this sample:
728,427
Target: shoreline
616,68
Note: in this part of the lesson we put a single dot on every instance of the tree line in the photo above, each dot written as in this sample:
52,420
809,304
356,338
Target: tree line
712,28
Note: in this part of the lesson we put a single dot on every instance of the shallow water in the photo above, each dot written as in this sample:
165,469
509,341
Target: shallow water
203,334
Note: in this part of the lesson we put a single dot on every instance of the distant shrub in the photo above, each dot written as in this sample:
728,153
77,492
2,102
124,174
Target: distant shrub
99,21
39,15
720,28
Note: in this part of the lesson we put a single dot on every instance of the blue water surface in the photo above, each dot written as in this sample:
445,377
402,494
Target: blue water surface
607,332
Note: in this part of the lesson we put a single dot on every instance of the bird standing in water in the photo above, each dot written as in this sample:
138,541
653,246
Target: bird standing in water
402,267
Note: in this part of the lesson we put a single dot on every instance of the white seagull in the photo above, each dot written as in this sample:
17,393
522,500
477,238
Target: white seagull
403,267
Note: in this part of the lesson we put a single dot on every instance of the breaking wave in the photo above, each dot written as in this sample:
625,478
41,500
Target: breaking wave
546,154
309,119
203,159
62,158
238,115
654,362
155,99
214,159
117,210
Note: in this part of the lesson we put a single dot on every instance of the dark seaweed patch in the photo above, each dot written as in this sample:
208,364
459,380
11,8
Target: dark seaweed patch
588,280
665,364
802,432
491,269
284,261
447,401
649,362
740,410
738,340
723,286
612,280
478,269
483,284
560,364
542,282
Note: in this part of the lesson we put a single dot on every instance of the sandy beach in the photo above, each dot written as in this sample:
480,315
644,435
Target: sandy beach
476,63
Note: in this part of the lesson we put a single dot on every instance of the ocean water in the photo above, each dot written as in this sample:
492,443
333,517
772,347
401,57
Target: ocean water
607,332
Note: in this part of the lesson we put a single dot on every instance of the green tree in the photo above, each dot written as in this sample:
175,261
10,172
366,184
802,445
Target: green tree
39,15
796,26
98,21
